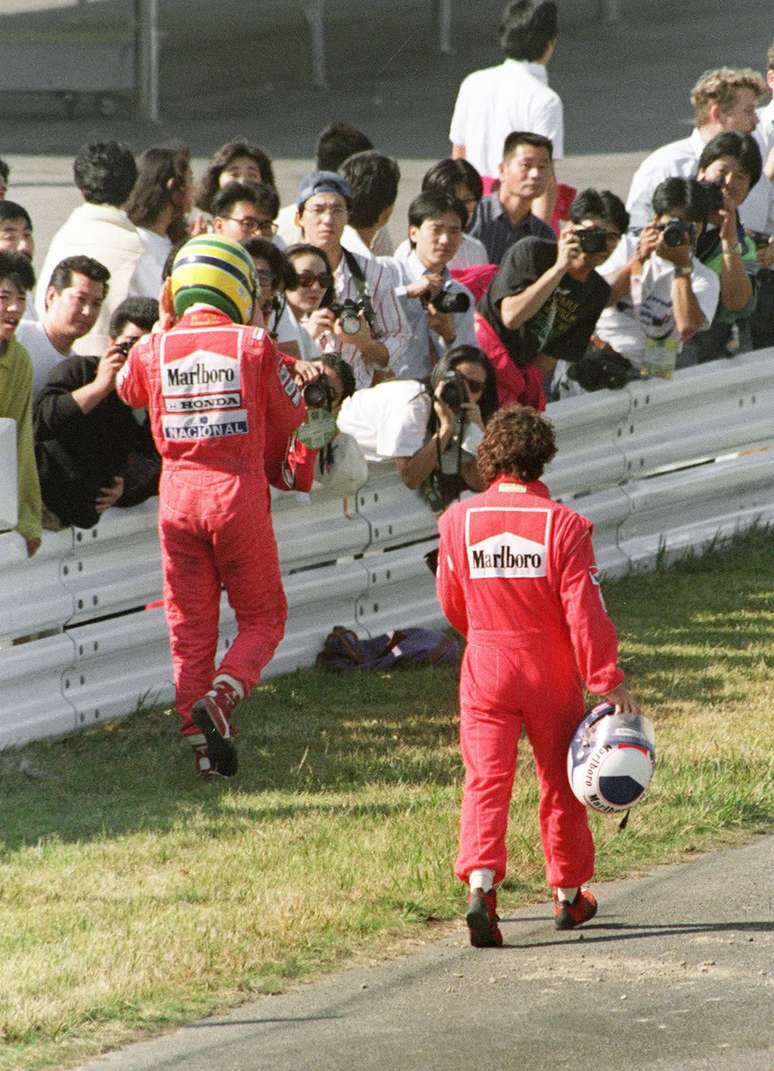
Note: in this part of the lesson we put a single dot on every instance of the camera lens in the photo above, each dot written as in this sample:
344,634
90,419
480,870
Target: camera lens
449,302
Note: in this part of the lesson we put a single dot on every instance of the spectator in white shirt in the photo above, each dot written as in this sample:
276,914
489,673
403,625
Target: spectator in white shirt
458,179
374,180
431,429
723,99
323,201
309,297
513,96
757,214
661,293
75,296
105,172
160,200
439,310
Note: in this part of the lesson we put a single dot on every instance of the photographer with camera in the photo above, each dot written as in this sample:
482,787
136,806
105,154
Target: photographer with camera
438,309
543,303
369,330
431,428
757,214
661,293
728,168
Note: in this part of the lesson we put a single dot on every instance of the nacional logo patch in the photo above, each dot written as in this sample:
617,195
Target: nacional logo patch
206,425
507,542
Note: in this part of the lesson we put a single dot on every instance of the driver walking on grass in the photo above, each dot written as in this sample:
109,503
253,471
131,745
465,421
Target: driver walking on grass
517,578
213,385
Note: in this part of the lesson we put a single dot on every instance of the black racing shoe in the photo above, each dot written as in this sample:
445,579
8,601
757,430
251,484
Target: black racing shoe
482,919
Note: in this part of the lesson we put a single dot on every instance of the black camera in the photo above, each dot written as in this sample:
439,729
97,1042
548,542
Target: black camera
447,301
592,239
348,313
675,232
319,394
453,391
761,240
714,193
125,346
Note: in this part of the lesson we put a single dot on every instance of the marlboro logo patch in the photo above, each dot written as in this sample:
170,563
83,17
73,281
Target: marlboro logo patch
507,543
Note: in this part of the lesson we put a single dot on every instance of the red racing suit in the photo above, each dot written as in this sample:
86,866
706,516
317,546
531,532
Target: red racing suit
517,577
212,388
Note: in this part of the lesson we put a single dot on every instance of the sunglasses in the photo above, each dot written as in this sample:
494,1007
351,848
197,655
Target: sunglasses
475,386
309,278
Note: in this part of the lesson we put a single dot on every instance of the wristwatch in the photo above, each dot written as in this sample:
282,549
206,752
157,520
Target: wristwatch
683,271
734,250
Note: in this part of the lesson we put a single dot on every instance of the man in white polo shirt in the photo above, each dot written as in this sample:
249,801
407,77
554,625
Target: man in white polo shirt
723,99
514,95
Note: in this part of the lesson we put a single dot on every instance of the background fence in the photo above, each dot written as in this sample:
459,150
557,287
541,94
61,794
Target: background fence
659,467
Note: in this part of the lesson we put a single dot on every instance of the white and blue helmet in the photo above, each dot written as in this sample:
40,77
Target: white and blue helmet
611,759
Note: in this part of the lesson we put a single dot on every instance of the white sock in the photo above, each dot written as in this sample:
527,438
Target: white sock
567,894
228,679
481,879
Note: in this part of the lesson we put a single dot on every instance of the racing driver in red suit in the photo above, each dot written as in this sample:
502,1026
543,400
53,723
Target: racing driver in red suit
517,577
212,385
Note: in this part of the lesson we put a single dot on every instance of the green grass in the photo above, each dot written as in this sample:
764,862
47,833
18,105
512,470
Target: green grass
133,898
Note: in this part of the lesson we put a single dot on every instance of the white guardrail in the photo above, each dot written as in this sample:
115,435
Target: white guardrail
658,467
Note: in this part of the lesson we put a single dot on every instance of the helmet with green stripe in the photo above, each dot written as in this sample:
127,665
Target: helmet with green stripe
213,270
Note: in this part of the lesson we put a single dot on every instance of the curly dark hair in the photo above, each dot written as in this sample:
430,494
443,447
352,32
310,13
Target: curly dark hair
518,442
105,172
208,186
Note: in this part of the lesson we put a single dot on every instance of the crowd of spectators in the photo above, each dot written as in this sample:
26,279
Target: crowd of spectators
501,286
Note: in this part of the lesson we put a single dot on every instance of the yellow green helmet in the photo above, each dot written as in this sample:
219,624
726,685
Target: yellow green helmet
214,270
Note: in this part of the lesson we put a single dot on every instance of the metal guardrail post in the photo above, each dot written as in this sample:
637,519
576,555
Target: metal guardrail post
445,27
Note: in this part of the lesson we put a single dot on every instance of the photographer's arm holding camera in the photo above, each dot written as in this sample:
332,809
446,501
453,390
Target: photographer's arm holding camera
416,469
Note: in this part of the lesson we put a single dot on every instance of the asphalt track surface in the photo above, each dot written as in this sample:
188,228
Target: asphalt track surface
675,973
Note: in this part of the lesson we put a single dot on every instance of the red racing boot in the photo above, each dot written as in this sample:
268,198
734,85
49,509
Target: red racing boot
212,713
482,919
569,915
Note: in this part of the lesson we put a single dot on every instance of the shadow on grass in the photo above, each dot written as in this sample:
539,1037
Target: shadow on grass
307,737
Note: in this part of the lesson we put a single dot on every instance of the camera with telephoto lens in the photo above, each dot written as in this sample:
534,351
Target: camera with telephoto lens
348,313
675,232
714,193
592,239
447,301
319,394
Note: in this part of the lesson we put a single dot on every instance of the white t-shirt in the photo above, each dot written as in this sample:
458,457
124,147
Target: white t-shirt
42,351
678,159
389,420
646,310
757,209
497,100
158,248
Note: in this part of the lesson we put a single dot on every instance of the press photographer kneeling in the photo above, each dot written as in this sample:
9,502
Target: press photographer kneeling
430,428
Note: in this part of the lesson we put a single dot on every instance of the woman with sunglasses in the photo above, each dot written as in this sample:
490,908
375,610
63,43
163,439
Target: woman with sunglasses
308,298
430,428
274,273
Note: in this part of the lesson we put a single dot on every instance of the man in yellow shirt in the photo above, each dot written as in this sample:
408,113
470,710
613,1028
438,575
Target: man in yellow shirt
16,278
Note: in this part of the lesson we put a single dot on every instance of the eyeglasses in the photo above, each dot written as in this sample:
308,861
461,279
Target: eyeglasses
253,225
309,278
265,277
325,210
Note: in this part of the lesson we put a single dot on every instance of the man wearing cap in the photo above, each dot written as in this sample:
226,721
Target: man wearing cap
212,384
323,203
